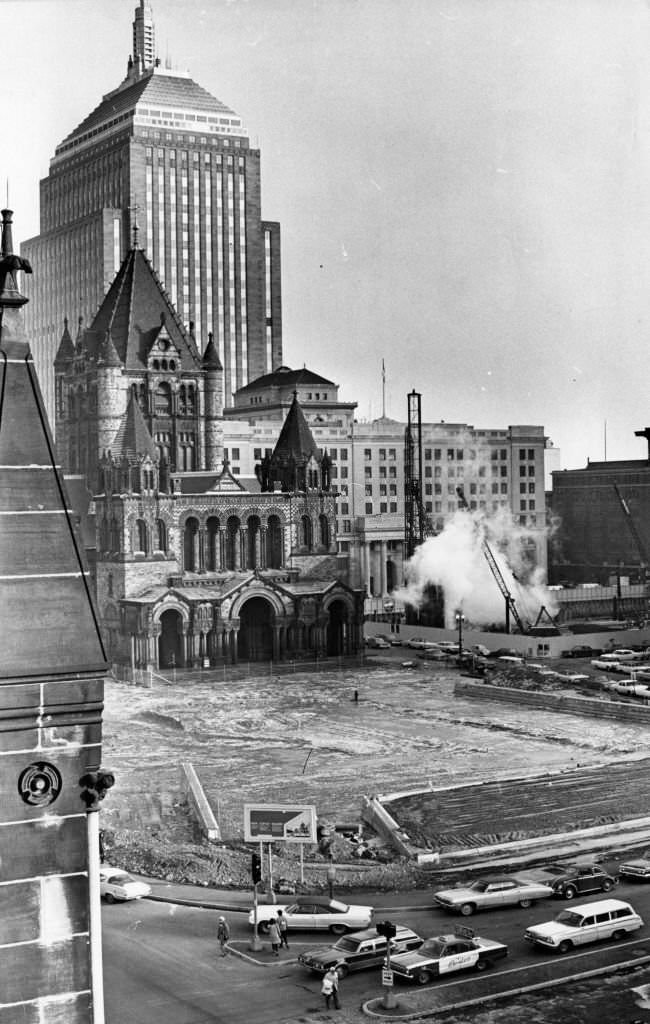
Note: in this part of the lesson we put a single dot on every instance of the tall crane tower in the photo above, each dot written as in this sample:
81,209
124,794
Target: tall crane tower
417,525
414,518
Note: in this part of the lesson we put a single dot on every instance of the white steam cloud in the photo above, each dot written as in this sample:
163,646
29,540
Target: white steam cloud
454,560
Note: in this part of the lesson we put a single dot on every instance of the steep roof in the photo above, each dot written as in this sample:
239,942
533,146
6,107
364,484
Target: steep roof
133,438
285,377
49,627
295,438
133,312
155,88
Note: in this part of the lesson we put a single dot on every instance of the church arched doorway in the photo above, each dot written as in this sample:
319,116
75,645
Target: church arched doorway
256,630
337,628
170,641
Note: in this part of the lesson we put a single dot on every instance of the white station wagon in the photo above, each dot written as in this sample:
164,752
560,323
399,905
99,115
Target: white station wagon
592,922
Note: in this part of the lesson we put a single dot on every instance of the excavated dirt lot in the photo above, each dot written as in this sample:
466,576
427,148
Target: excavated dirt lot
302,738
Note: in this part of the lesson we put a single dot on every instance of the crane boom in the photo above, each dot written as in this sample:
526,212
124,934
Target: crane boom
494,568
640,546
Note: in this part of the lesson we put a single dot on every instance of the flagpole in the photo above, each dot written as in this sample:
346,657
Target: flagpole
383,390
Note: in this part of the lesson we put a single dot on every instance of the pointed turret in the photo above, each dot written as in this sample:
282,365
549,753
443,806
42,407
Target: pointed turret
295,462
213,405
107,353
65,352
133,439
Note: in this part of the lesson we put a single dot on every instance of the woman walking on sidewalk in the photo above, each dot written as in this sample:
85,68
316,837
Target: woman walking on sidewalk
274,935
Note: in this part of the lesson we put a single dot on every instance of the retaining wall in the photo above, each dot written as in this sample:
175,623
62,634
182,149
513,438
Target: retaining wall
558,702
199,803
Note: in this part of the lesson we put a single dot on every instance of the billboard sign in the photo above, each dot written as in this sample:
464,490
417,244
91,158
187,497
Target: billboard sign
270,823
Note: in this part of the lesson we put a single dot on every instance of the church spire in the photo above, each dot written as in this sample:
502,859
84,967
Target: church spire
144,37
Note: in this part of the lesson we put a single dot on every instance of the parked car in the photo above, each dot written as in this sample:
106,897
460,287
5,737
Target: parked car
419,643
636,870
117,886
481,649
308,912
358,951
608,666
502,651
450,646
572,677
569,880
376,641
510,659
486,893
445,954
622,654
581,651
433,654
629,688
592,922
391,639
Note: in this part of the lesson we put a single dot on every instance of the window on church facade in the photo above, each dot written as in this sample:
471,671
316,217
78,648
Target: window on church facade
274,555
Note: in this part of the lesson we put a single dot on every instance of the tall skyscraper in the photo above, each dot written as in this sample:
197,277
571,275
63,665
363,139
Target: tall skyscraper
163,153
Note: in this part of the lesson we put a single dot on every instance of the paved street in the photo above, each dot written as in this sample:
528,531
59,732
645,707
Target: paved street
162,962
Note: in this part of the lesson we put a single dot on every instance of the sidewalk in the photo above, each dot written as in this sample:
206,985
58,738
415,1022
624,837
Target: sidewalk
238,901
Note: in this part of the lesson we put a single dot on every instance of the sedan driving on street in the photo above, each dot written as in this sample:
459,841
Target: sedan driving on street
487,893
310,912
117,886
445,954
637,870
357,951
592,922
569,881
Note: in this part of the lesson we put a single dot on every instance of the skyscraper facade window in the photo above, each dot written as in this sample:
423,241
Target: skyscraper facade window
161,155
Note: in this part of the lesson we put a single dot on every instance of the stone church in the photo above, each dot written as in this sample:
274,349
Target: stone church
194,566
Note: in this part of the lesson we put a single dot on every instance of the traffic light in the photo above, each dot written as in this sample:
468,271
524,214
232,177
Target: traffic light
387,929
256,868
94,786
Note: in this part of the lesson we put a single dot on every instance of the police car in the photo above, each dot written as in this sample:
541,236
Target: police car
445,954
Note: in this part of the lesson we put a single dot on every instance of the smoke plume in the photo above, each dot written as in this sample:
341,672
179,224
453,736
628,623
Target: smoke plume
455,561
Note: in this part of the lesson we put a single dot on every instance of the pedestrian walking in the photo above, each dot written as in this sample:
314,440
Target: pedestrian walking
223,934
274,935
283,929
330,988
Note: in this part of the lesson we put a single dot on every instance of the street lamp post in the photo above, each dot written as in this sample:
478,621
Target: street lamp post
460,618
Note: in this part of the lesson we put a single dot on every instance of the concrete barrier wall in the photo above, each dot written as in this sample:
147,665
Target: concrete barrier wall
561,703
199,802
381,821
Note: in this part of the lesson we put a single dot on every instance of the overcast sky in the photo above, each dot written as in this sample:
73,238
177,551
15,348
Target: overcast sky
463,187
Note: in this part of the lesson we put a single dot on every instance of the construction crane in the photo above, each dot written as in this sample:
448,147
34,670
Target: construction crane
496,572
416,524
640,546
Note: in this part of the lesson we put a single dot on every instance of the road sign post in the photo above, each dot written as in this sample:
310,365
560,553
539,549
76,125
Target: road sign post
388,930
